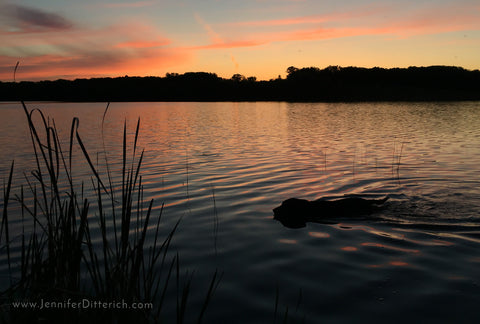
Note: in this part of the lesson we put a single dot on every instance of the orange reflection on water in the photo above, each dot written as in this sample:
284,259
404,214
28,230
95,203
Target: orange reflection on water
399,263
371,230
349,248
384,246
395,263
287,241
433,242
319,234
442,242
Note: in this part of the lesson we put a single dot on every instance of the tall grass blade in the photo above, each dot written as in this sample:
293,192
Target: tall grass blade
4,224
277,296
87,156
182,302
62,257
110,182
75,124
211,291
15,72
105,113
215,220
165,286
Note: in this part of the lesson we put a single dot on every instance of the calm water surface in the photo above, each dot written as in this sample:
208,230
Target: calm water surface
417,260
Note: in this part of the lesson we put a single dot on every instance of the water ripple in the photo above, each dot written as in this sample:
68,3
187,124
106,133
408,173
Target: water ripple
237,161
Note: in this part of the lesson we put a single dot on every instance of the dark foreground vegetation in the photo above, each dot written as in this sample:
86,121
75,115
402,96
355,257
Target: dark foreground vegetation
88,252
333,83
58,272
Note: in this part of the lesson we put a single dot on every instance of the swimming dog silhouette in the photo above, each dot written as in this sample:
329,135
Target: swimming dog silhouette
295,213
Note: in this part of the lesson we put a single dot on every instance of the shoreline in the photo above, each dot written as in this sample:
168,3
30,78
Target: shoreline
332,84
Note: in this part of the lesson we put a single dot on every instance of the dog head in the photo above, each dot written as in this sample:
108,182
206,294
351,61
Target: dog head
291,213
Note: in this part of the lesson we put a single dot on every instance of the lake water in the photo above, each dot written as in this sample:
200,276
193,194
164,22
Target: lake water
230,164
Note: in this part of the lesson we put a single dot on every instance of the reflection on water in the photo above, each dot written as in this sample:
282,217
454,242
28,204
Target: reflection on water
240,160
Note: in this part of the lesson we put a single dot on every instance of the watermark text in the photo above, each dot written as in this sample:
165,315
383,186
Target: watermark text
84,304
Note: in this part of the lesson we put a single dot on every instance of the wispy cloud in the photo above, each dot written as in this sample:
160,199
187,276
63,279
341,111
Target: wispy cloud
214,36
314,19
51,45
362,22
29,18
235,63
232,44
135,4
127,48
143,44
90,63
283,22
218,42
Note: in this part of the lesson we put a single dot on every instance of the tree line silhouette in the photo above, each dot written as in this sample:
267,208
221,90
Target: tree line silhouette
333,83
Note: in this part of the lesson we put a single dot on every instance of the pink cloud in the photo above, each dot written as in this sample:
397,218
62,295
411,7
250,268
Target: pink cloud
313,19
137,4
219,43
93,63
437,21
231,44
283,22
51,46
369,21
128,48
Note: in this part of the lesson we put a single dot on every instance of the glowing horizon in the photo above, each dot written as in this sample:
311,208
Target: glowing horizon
258,38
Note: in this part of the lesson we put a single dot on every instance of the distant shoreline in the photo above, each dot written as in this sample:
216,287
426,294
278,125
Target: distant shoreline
332,84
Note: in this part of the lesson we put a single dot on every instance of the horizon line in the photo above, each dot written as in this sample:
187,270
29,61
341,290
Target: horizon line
68,78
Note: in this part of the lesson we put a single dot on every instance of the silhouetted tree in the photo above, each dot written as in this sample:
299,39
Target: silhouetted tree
333,83
291,70
238,77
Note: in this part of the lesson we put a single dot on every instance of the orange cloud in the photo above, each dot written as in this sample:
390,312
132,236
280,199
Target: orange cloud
92,63
219,43
130,48
394,22
51,46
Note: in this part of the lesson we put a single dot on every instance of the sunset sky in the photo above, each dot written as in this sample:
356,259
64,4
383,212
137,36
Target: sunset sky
81,39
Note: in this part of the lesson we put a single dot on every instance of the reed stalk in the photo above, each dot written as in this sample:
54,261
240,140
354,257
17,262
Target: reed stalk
59,257
287,317
397,158
215,220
